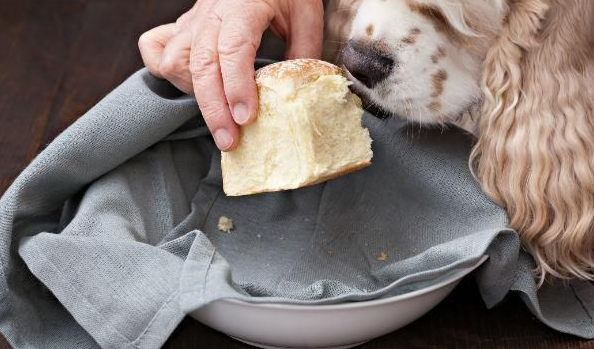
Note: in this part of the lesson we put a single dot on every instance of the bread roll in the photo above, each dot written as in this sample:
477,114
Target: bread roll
308,130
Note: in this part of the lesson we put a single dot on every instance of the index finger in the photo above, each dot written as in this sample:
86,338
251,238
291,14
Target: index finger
239,39
208,85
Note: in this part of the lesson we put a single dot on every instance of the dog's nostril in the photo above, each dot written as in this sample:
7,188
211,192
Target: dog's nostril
366,63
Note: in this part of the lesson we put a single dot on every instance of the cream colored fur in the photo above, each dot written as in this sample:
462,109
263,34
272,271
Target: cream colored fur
530,68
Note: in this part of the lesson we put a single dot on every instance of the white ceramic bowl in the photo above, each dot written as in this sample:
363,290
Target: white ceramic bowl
344,325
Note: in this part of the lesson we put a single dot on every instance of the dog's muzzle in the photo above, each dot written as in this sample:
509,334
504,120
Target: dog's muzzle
365,62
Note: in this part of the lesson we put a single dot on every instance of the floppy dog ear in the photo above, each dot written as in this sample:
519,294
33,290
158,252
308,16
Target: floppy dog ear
339,15
535,152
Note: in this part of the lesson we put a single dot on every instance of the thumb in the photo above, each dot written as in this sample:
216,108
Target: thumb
306,30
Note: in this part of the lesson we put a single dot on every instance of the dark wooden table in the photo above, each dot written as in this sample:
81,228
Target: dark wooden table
60,57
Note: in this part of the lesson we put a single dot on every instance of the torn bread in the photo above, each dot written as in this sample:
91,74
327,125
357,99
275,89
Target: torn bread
308,130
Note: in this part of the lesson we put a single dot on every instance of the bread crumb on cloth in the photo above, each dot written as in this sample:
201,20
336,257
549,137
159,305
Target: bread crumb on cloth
383,257
225,224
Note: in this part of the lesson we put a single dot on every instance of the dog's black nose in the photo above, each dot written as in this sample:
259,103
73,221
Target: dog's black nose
366,62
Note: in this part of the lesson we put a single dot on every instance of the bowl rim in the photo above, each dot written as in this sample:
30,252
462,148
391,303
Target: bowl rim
360,304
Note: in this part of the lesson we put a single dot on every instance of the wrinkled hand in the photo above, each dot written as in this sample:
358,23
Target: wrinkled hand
211,50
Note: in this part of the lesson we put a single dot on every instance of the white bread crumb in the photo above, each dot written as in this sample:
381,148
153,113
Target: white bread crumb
225,224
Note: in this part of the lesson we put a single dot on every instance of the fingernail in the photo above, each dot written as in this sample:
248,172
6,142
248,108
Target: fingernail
223,139
240,113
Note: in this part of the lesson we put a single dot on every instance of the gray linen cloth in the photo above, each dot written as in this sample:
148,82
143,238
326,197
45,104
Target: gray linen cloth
110,236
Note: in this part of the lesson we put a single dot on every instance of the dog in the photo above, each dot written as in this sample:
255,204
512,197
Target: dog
519,75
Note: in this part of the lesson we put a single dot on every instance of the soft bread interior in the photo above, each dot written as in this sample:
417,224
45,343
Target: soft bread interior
335,113
301,136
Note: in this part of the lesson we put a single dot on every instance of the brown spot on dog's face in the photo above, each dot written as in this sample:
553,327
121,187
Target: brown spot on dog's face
437,80
409,40
440,22
369,30
412,36
431,13
434,106
439,54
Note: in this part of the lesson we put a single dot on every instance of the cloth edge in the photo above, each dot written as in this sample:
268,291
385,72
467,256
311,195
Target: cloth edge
168,316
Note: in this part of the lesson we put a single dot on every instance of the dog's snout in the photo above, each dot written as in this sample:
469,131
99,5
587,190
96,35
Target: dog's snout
366,62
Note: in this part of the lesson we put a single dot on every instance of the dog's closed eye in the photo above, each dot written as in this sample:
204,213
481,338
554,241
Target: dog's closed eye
434,14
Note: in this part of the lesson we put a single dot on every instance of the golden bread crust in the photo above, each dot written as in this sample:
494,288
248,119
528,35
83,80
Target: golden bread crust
300,71
344,171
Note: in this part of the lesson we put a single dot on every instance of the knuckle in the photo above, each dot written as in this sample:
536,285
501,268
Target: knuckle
183,20
203,62
234,44
237,87
213,16
144,40
169,66
211,111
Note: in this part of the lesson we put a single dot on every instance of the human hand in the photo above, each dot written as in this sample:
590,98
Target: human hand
210,51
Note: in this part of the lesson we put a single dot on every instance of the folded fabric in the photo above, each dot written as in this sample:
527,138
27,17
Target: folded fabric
110,236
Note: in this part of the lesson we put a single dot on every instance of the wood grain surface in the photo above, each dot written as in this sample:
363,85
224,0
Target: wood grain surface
60,57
